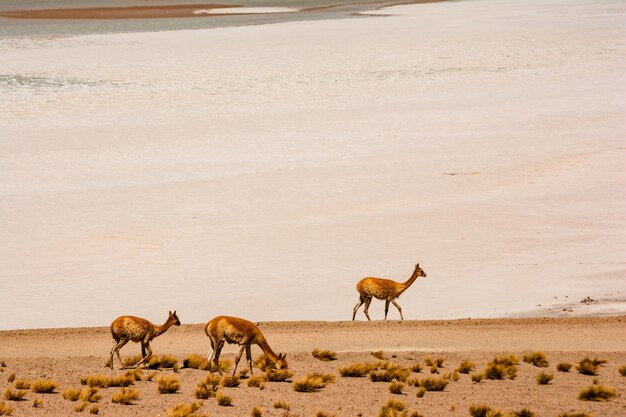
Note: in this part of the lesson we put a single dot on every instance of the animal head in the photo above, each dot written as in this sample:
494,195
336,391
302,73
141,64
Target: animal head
419,272
173,318
282,362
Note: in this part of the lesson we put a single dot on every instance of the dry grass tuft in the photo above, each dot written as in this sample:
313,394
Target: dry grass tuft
204,392
151,376
90,395
230,381
195,361
622,370
324,355
484,411
11,395
563,366
524,412
501,367
587,366
396,387
477,377
135,374
538,359
256,411
80,407
597,392
390,373
465,367
543,378
264,363
312,382
99,381
5,409
575,414
223,399
130,361
162,362
37,403
420,392
417,368
22,384
380,355
278,375
125,396
95,409
168,384
121,381
43,386
393,408
11,378
281,405
71,394
257,382
184,410
433,384
356,370
321,413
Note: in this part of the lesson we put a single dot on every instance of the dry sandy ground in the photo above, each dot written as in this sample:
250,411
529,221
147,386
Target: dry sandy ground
65,355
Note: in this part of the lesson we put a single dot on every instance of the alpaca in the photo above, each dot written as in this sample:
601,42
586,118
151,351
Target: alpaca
127,328
383,289
240,332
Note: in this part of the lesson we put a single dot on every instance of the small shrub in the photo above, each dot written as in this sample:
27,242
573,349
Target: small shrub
597,392
5,409
484,411
439,362
536,358
195,361
396,387
90,395
212,380
11,395
587,366
324,355
434,369
392,408
278,375
466,367
11,378
37,403
135,374
321,413
125,396
563,366
380,355
543,378
22,384
257,381
428,360
256,411
151,376
417,368
622,370
390,373
420,392
95,409
524,412
44,386
168,384
184,410
230,381
121,381
575,414
433,384
312,382
80,407
99,381
165,361
356,370
204,391
500,368
223,399
281,405
131,361
477,377
264,363
71,394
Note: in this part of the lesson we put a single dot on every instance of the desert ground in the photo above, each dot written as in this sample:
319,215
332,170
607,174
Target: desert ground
66,355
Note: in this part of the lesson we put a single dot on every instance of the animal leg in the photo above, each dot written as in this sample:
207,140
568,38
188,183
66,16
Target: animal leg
249,357
212,354
395,303
149,349
386,308
367,307
241,349
216,356
116,349
356,307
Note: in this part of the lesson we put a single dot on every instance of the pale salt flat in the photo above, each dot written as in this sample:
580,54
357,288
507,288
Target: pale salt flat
262,171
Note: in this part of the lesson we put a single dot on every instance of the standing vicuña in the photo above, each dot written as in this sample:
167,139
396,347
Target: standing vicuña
127,328
243,333
383,289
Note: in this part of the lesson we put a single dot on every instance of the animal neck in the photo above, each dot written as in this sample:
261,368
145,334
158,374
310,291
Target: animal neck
159,330
267,350
404,285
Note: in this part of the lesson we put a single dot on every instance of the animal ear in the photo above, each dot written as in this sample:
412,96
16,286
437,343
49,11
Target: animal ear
169,312
174,312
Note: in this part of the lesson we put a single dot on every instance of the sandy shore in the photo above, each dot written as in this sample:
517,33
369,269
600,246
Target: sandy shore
66,355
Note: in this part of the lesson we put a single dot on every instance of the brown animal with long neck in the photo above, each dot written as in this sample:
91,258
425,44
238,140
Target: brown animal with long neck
126,328
239,332
383,289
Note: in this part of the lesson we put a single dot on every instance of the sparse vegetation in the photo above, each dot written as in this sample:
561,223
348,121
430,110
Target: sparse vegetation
22,384
80,407
11,378
392,408
11,395
597,392
121,381
357,370
256,411
380,355
151,376
543,378
465,367
135,374
5,409
420,392
257,382
278,375
416,367
71,394
184,410
130,361
312,382
203,391
524,412
396,387
281,405
195,361
484,411
389,373
230,381
324,355
563,366
90,395
95,409
622,370
477,377
433,384
223,399
321,413
264,363
501,367
37,403
575,414
538,359
164,361
587,366
428,360
168,384
125,396
100,381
